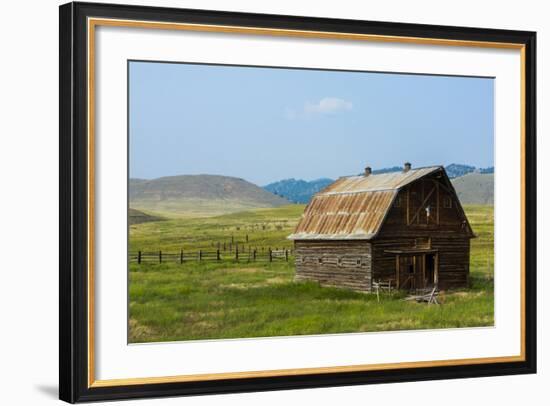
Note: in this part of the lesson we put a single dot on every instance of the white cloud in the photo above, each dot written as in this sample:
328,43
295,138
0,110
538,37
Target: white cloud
328,105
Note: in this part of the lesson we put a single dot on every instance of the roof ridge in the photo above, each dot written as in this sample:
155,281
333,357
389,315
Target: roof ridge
377,183
389,173
352,192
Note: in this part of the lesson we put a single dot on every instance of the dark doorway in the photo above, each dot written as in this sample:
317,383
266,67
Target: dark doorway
429,272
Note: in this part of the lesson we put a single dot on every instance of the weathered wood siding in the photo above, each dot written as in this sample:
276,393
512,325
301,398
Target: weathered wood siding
335,263
445,229
408,215
453,255
383,264
454,261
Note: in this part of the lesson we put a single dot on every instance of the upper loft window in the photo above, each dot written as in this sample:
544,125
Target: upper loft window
447,202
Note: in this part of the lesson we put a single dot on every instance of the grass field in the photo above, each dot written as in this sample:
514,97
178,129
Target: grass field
226,299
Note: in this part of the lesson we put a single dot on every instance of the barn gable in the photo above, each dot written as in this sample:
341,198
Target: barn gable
428,205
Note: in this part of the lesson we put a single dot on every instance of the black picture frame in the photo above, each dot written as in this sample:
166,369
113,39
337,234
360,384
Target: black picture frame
73,284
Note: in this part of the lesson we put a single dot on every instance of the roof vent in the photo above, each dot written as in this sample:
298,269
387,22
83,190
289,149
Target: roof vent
406,167
368,171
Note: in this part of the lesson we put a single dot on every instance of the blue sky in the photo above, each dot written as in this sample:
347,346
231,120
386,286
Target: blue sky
267,124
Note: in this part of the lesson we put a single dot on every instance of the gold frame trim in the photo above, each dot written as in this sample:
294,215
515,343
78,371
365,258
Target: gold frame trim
94,22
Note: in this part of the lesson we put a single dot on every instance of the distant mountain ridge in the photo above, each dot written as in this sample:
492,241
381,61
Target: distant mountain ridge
301,191
298,191
453,170
456,170
199,194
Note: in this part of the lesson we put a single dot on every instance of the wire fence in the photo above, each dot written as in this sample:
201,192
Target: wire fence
181,257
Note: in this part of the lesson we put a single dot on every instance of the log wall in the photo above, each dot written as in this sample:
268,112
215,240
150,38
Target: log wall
335,263
454,261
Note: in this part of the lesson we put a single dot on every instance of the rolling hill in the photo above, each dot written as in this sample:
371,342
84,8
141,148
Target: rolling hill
138,217
199,195
475,188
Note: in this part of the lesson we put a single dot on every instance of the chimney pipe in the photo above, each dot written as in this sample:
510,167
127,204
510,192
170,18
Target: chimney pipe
406,167
368,171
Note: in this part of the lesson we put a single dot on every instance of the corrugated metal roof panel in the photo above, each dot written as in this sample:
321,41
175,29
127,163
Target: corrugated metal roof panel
354,207
344,216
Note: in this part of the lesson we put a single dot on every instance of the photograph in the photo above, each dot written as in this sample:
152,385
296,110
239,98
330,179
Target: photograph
285,201
253,201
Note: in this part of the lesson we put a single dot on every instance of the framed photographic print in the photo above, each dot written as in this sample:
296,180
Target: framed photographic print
257,202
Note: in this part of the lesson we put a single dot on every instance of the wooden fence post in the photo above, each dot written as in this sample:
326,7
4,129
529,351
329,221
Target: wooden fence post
254,254
237,252
160,257
246,238
181,257
270,256
139,257
218,254
200,255
286,255
224,246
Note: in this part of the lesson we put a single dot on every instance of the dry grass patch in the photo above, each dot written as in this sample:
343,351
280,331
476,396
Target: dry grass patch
138,332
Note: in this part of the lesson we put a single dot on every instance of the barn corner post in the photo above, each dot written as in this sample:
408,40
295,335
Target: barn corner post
397,262
436,270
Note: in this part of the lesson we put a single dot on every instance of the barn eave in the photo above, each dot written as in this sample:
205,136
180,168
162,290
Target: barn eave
334,237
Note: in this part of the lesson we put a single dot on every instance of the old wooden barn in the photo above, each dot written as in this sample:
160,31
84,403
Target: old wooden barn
406,227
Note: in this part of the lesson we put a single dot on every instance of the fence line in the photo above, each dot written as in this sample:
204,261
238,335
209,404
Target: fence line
252,255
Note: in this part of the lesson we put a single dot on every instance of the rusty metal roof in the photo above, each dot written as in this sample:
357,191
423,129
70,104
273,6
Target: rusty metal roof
354,207
384,181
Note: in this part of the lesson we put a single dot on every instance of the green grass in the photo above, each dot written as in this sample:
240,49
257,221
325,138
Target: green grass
172,302
264,227
195,208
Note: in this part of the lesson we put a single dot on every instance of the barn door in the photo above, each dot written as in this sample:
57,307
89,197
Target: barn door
408,271
416,271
